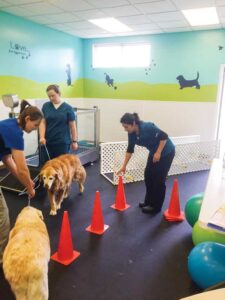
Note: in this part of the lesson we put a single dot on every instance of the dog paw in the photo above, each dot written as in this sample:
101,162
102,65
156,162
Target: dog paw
81,190
58,206
53,212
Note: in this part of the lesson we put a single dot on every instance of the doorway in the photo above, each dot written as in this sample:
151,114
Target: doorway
220,130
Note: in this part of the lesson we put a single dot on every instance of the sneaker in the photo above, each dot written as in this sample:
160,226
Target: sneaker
142,204
148,210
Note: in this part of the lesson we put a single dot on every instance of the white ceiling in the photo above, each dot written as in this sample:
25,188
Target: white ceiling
143,16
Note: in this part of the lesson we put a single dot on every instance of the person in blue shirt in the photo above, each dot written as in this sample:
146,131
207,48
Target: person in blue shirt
161,154
57,129
12,156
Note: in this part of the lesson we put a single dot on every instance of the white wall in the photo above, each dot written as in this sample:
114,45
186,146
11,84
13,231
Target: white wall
175,118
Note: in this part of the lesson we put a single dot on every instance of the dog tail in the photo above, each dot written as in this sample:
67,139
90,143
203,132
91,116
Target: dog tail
197,76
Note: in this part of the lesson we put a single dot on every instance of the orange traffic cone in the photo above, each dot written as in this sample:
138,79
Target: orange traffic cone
173,213
97,223
120,201
65,254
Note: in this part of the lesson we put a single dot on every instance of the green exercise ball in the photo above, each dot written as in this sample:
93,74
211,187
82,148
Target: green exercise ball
206,234
193,207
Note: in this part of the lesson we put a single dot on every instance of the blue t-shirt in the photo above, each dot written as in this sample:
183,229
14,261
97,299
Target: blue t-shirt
149,138
57,123
11,137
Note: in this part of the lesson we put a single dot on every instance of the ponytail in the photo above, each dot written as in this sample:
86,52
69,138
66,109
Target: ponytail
26,109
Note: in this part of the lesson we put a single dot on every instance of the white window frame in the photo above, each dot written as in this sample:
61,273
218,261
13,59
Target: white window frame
119,55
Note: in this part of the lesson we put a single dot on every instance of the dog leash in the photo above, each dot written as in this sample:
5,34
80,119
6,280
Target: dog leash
46,149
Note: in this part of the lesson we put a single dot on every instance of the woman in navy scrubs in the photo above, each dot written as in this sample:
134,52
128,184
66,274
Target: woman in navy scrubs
12,155
161,154
58,129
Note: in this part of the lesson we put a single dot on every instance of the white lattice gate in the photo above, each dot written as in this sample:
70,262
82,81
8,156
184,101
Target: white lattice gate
191,155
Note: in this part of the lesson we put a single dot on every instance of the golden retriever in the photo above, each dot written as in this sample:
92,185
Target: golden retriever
57,175
26,256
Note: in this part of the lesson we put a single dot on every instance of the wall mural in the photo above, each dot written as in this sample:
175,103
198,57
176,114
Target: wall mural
19,49
68,73
38,56
188,83
53,58
109,81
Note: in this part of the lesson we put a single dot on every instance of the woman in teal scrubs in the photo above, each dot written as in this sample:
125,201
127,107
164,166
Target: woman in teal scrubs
58,129
161,154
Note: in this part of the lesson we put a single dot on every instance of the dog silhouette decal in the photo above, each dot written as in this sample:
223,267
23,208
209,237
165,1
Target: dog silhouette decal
109,81
188,83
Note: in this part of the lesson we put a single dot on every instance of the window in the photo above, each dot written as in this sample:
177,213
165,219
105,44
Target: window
121,55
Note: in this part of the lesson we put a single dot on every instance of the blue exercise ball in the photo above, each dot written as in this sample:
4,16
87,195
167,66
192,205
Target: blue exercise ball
206,264
193,207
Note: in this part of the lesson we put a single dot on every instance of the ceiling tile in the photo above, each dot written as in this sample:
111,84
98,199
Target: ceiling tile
166,16
139,19
156,7
220,2
173,24
36,9
19,2
121,11
177,29
63,18
190,4
91,14
18,11
221,11
206,27
59,26
107,3
41,19
145,27
80,25
4,3
72,5
141,1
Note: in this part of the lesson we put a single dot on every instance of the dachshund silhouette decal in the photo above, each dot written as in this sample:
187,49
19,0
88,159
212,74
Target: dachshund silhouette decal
188,83
109,81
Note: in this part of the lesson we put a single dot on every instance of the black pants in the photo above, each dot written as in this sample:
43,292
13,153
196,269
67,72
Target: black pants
155,178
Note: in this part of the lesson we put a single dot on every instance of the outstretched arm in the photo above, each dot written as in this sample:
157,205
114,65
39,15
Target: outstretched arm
126,160
16,164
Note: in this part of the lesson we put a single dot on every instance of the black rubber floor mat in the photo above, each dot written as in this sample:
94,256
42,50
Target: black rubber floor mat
9,182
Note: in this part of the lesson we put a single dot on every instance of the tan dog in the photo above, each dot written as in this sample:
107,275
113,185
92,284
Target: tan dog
58,174
26,256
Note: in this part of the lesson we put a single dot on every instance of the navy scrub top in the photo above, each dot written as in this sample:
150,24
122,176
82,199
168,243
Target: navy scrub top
57,123
11,137
148,137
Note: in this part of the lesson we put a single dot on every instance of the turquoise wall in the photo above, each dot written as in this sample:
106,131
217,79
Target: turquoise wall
33,56
172,54
33,52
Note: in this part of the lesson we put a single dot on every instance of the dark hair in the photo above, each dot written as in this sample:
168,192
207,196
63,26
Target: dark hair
53,87
130,119
28,110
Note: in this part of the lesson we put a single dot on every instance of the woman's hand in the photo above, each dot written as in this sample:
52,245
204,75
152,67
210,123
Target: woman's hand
122,170
31,193
74,146
156,157
42,141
